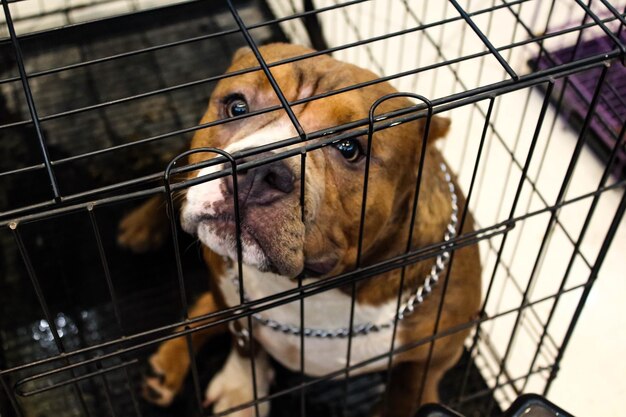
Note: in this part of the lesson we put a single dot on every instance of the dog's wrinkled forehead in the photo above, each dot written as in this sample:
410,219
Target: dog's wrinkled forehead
298,81
256,85
305,83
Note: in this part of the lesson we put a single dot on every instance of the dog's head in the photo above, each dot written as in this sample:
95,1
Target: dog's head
275,236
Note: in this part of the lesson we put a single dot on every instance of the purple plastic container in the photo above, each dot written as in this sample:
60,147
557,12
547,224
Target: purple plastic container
610,114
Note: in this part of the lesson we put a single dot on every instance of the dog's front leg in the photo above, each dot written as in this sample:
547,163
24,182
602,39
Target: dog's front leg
170,363
233,385
403,393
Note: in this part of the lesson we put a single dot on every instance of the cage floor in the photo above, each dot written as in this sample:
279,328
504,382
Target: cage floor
64,249
111,394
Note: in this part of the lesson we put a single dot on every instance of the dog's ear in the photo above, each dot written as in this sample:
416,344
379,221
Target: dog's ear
439,127
241,52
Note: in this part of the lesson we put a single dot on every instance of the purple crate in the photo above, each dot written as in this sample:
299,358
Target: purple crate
610,114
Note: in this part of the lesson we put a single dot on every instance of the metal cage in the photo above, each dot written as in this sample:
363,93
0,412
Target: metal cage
98,99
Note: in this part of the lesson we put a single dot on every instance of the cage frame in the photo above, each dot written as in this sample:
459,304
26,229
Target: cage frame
89,202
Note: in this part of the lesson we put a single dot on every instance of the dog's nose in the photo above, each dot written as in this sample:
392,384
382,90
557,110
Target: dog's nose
263,184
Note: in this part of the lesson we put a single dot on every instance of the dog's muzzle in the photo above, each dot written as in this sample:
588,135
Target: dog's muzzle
262,185
271,229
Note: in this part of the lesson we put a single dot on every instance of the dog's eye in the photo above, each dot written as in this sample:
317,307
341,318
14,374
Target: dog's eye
350,149
236,106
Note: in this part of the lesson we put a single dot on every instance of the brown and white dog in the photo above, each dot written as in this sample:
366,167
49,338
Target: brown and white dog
278,244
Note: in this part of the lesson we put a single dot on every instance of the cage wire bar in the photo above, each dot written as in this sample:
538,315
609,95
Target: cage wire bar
70,367
191,129
160,91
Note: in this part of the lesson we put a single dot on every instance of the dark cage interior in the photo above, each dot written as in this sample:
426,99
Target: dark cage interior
99,97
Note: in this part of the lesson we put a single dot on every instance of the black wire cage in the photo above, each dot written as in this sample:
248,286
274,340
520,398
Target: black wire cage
98,97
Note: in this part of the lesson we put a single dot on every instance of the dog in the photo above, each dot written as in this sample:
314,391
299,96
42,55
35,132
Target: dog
280,241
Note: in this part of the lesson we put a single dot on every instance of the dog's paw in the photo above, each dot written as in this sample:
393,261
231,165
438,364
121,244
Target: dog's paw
142,230
160,386
224,396
232,386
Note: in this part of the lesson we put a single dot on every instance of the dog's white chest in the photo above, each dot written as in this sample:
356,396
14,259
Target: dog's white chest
329,310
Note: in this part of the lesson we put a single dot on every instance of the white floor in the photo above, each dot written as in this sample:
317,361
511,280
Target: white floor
591,381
